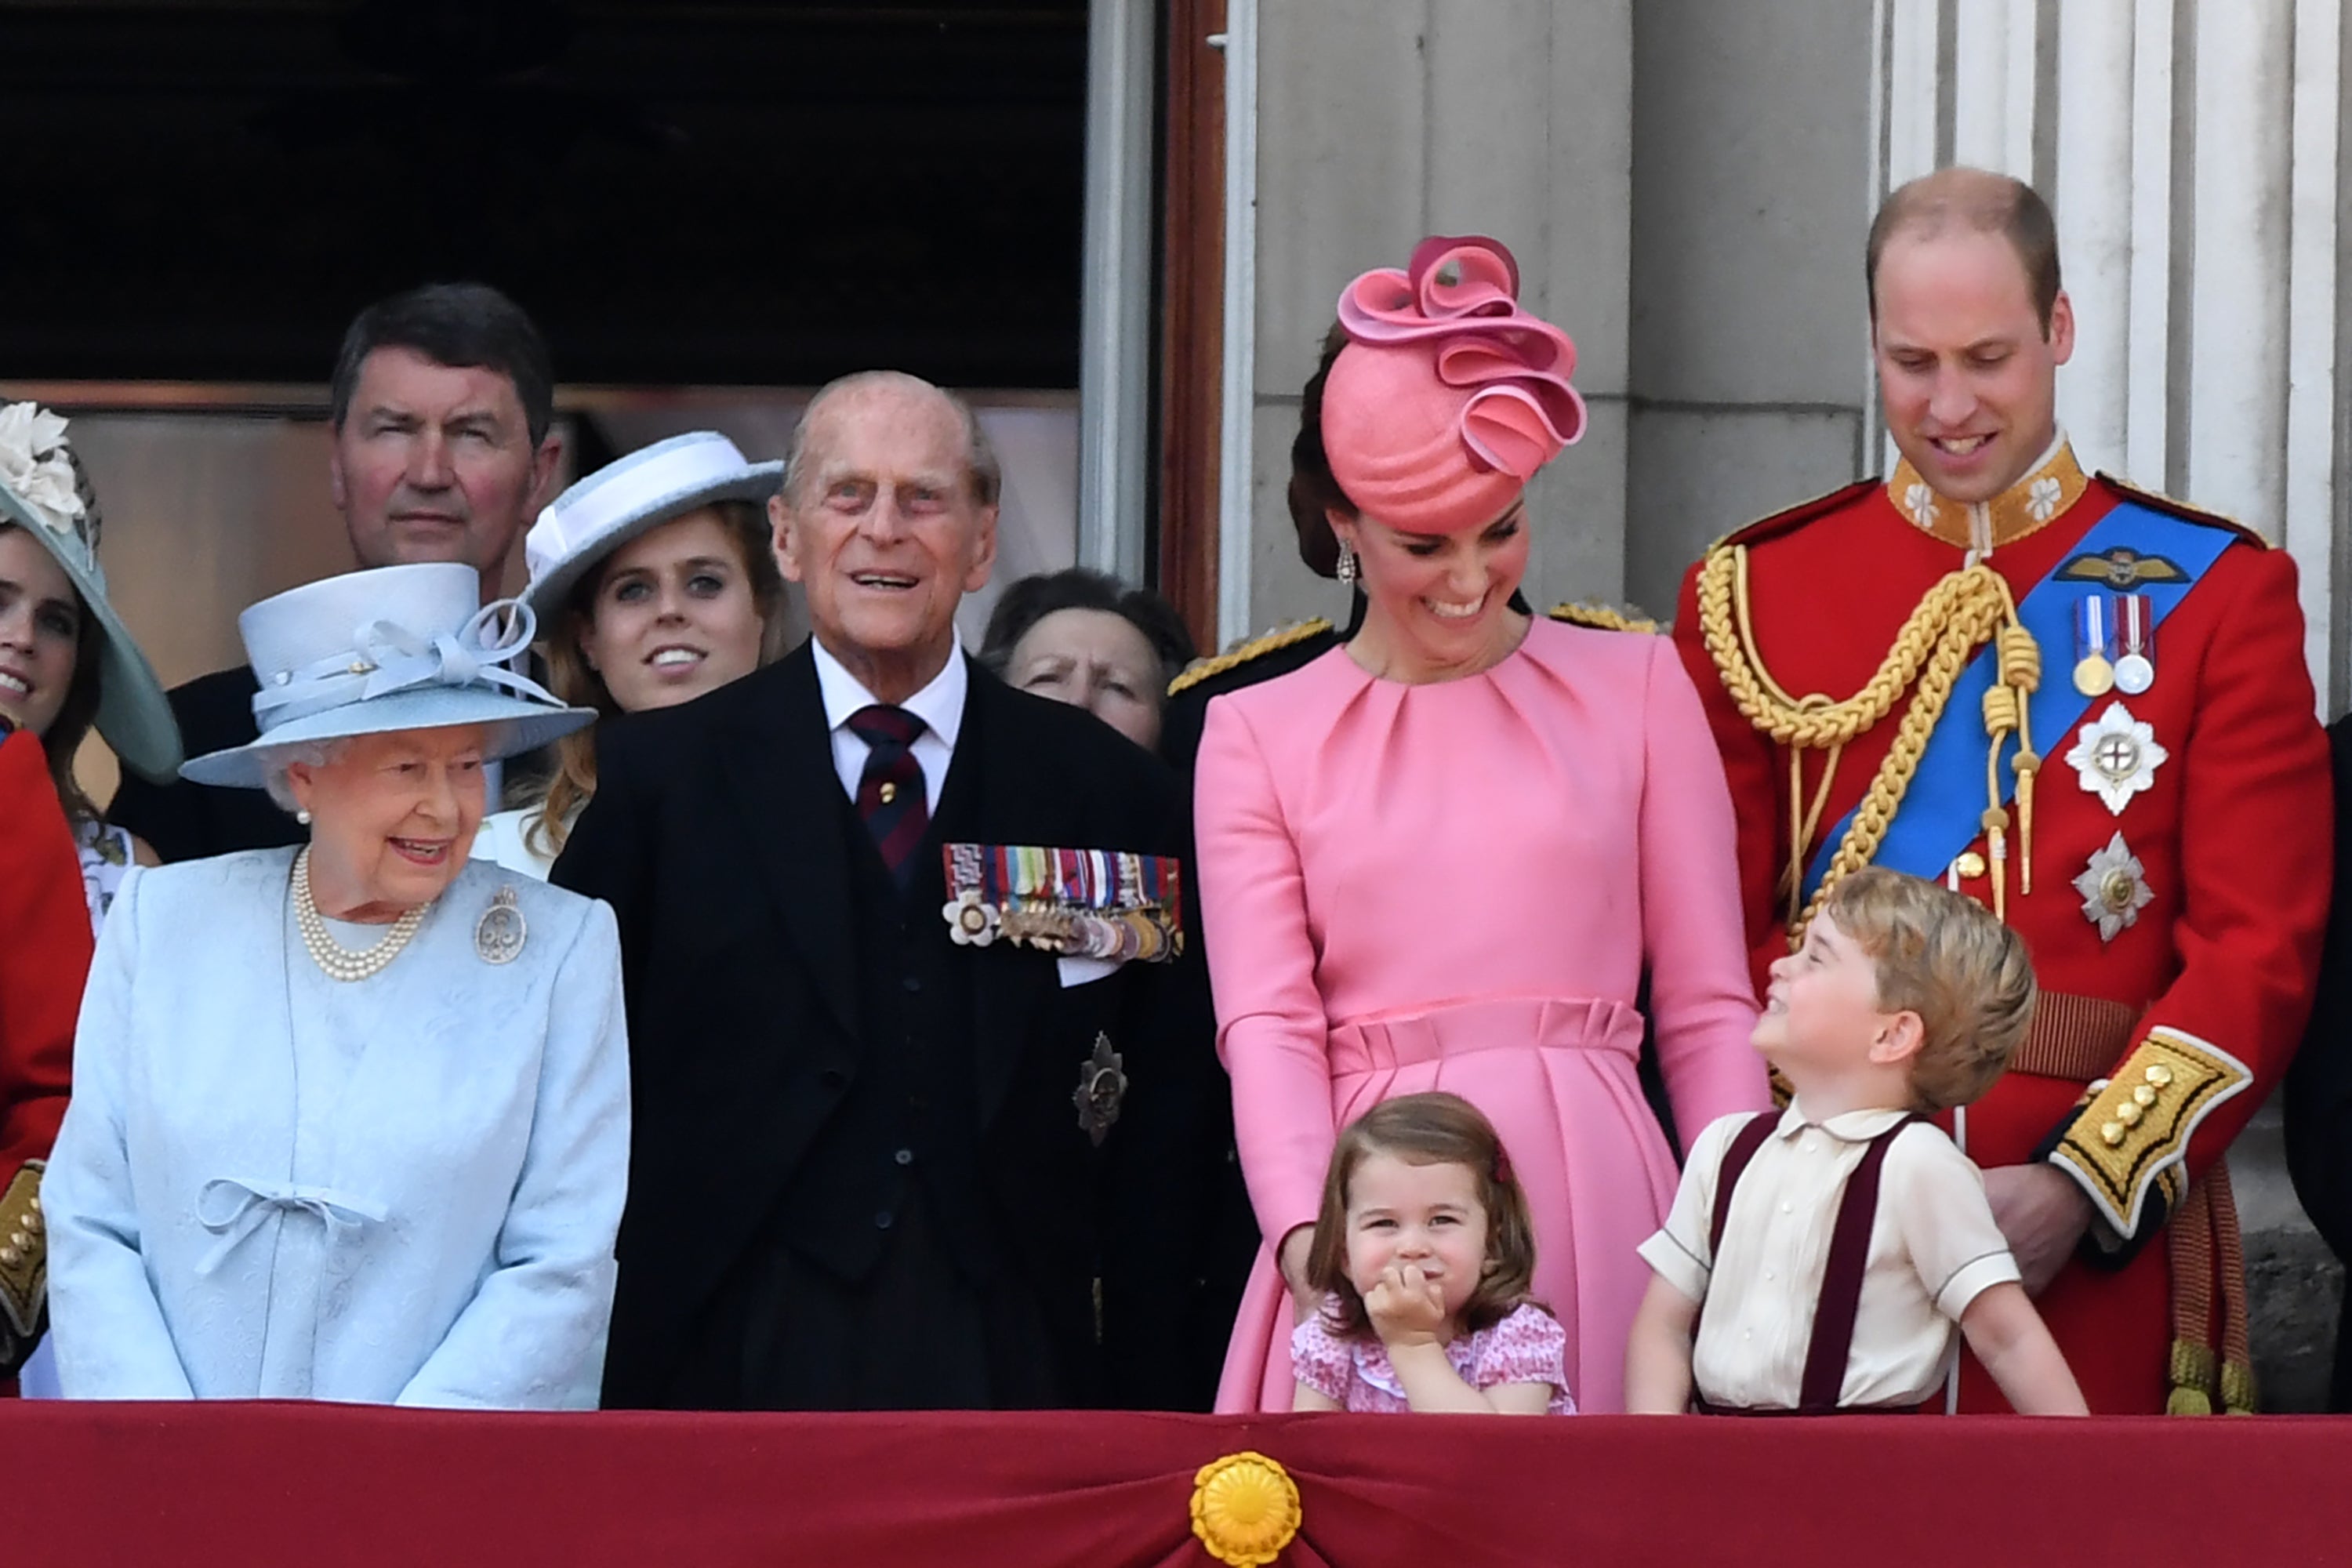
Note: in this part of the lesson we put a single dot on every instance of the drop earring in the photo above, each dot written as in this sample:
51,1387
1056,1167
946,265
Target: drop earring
1348,567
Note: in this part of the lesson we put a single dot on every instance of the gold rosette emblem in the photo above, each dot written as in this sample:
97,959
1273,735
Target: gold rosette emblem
1244,1509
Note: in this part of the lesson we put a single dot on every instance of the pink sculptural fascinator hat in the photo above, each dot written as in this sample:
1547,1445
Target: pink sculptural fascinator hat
1448,396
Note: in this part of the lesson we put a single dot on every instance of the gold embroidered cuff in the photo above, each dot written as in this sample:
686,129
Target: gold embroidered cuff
2132,1135
23,1252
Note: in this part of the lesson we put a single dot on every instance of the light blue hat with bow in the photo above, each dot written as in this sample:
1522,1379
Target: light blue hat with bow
398,648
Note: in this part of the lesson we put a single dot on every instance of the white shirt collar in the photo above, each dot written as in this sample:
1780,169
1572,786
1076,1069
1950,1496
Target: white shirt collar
1853,1126
939,704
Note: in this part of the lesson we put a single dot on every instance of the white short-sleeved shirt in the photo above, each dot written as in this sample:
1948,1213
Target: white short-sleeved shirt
1934,1248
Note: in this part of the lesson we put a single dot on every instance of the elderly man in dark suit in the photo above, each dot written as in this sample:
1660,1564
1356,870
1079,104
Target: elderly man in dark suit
879,1163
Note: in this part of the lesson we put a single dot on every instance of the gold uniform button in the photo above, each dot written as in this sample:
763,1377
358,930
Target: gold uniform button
17,1238
2127,1113
2111,1134
33,1221
7,1255
2159,1075
1969,864
2143,1096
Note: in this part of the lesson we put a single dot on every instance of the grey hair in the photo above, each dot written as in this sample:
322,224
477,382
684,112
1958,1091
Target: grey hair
986,474
277,759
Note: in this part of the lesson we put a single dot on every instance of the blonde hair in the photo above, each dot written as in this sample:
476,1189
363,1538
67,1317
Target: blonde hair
1945,958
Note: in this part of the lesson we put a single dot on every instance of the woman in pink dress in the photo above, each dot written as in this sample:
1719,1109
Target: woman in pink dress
1444,854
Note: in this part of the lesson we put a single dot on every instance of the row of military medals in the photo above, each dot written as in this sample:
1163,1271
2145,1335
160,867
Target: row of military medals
2119,622
2115,755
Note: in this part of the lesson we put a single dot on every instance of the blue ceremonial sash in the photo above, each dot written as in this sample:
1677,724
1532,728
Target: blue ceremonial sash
1943,810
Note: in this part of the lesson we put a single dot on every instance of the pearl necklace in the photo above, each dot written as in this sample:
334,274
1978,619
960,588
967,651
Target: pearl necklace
339,961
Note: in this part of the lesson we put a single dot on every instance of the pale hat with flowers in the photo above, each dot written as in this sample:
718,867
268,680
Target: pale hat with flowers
41,492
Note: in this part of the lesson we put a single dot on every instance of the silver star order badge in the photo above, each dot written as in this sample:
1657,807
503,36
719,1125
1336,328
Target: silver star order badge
2116,756
1102,1088
2114,887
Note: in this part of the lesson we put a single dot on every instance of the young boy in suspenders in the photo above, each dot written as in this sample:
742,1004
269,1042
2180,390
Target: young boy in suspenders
1817,1260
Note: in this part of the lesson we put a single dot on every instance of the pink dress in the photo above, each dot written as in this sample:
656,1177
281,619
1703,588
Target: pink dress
1458,886
1526,1346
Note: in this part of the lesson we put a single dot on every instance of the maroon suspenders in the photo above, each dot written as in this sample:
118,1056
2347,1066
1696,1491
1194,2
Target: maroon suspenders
1842,1275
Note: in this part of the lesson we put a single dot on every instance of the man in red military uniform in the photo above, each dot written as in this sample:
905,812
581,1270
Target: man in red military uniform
45,949
2087,708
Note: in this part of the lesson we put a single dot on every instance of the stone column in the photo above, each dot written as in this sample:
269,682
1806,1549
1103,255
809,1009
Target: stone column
1379,123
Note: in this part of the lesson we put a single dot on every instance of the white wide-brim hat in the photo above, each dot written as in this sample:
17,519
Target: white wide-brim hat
631,495
133,716
398,648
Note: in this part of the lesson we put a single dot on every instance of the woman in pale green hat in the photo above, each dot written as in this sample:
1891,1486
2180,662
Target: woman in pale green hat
66,662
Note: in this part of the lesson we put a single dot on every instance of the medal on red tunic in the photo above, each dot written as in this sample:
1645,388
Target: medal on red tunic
2135,670
2094,675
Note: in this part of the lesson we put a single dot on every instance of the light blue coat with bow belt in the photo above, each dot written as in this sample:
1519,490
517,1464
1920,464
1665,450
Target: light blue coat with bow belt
402,1189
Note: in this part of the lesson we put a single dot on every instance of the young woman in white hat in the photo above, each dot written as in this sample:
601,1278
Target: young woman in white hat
350,1122
66,662
654,582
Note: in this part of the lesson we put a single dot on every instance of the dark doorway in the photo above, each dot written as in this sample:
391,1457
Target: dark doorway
682,193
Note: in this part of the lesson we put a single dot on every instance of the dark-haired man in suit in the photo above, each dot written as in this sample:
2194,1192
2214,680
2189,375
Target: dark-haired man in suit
443,405
883,1160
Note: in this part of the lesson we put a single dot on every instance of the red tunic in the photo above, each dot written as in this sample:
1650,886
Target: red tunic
45,950
2234,836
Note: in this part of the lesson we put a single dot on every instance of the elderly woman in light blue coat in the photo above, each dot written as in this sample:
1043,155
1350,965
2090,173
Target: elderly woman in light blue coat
351,1123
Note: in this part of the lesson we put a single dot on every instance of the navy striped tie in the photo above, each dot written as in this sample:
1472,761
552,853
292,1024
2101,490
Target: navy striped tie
890,789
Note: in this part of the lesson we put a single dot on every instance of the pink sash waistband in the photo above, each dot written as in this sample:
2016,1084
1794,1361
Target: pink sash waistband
1587,1024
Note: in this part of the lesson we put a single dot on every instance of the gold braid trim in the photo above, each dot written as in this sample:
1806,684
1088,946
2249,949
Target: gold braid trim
24,1260
1602,617
1200,669
1963,610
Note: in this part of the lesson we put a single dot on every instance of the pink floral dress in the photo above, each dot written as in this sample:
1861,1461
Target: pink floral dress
1527,1346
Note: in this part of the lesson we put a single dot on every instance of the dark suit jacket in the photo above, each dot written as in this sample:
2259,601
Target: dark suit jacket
187,821
2319,1094
717,833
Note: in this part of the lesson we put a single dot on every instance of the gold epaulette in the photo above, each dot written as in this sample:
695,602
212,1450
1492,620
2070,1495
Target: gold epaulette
24,1254
1764,528
1200,669
1602,617
2157,500
2129,1142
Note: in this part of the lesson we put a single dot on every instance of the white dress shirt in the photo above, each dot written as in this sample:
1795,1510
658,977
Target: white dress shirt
939,705
1934,1248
